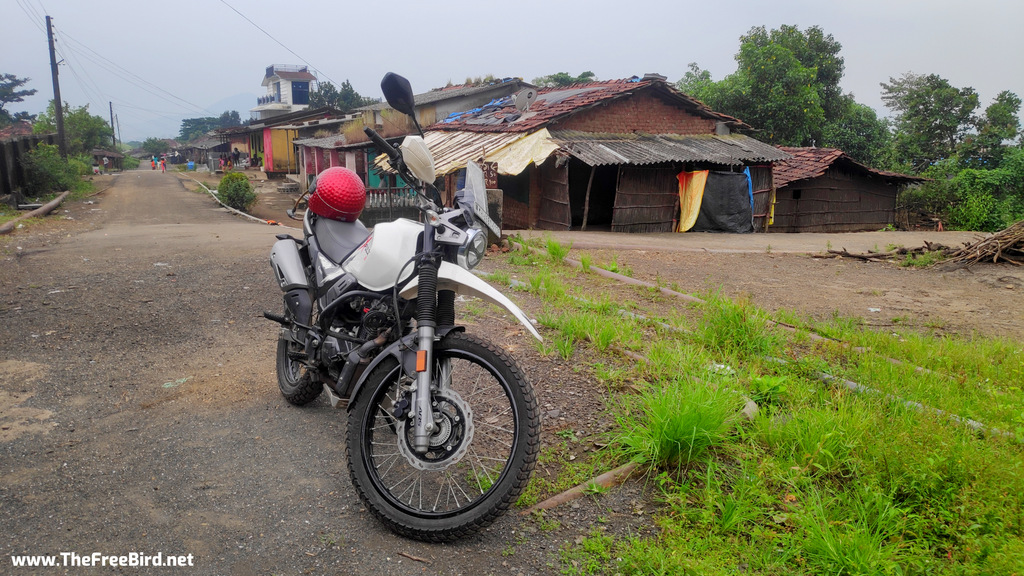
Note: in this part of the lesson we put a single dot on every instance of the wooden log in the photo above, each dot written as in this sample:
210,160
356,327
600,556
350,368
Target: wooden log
45,209
606,480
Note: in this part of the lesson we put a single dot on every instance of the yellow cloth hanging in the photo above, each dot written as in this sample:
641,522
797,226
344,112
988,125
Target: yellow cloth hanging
691,192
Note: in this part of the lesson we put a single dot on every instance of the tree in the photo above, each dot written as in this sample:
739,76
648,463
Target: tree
932,117
9,94
346,99
229,119
192,128
999,127
786,85
560,79
858,131
155,146
83,131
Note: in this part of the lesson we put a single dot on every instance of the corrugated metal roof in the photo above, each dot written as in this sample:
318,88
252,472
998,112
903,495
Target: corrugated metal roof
813,162
603,149
452,150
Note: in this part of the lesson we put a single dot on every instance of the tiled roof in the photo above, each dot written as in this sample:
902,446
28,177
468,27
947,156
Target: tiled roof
554,103
813,162
19,128
640,149
286,75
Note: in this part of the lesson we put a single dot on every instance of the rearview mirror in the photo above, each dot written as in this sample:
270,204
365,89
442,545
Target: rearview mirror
398,93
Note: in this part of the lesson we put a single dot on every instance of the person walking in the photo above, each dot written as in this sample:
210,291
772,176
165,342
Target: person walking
163,165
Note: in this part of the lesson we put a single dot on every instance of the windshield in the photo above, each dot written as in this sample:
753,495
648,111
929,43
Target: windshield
474,197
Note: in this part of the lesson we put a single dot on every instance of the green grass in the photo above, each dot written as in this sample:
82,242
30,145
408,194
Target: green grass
556,252
824,480
921,260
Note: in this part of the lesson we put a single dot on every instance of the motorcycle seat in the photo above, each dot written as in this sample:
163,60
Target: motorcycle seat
338,239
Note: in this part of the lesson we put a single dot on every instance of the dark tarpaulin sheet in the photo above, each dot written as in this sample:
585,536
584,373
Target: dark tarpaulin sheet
726,205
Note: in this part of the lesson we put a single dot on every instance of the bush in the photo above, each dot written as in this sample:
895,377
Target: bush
47,172
81,164
236,191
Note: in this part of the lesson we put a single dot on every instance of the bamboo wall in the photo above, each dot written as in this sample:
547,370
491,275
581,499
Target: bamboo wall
646,200
835,202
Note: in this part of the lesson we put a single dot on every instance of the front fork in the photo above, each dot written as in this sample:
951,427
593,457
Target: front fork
426,325
433,309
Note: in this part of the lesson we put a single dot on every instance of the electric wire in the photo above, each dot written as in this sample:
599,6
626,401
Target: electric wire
127,75
331,80
33,16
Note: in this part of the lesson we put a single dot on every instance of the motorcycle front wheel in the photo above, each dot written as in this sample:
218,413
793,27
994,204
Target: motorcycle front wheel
480,457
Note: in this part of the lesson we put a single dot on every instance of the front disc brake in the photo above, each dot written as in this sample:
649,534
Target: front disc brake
449,442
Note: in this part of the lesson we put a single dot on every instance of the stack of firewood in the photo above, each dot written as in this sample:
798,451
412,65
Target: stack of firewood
890,254
1004,246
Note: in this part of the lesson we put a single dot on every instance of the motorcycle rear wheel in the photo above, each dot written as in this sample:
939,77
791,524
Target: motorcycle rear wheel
480,459
293,377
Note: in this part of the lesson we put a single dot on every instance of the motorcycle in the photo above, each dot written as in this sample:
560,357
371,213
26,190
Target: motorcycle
443,426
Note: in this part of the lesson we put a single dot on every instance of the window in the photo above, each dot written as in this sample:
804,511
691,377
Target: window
300,92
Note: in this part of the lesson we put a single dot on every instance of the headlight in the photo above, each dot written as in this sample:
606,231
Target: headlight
472,250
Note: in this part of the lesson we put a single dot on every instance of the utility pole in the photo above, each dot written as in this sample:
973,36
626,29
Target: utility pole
113,135
121,140
58,105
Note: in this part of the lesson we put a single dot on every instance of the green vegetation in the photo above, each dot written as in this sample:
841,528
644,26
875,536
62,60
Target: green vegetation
83,130
11,92
345,99
236,191
822,480
193,128
47,173
155,146
564,79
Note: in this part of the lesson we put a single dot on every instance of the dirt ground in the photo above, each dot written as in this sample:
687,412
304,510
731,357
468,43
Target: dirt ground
139,410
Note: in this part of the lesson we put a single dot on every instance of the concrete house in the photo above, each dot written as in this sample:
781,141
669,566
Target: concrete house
287,91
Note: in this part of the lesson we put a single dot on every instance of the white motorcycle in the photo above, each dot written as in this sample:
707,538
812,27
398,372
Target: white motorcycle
443,426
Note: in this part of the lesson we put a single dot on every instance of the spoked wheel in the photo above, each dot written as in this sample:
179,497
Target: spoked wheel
479,460
292,377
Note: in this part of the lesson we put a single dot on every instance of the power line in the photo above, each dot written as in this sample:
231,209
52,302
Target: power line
125,74
278,41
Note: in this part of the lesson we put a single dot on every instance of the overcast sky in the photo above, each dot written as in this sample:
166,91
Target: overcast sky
162,62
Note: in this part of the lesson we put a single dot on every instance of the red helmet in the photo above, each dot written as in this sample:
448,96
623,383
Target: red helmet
339,195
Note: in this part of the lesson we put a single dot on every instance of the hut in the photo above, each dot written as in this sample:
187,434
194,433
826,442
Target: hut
825,190
605,155
107,160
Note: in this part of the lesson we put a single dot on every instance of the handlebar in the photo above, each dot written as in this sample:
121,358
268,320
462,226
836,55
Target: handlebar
382,145
396,161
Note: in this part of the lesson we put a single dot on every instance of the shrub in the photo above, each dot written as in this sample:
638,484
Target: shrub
236,191
673,423
47,172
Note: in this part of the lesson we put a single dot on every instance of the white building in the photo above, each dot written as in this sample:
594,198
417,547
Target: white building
287,91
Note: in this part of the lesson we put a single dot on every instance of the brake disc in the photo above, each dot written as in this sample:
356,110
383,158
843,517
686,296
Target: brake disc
449,443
